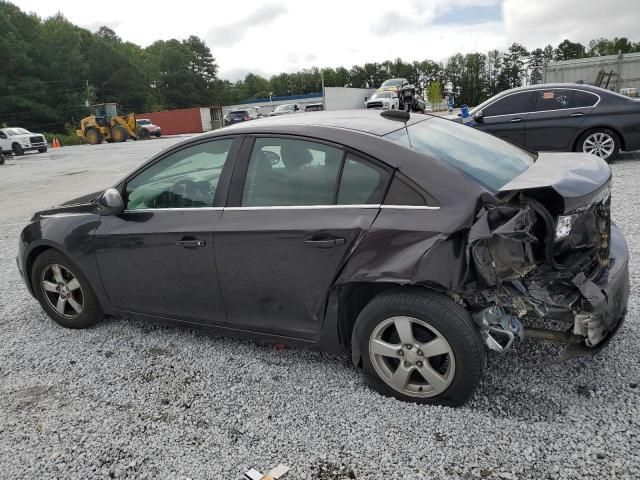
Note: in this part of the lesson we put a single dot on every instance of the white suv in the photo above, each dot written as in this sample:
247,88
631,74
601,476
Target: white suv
19,140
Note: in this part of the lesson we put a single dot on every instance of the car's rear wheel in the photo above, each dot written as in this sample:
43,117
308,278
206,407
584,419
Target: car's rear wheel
601,142
17,149
419,346
64,292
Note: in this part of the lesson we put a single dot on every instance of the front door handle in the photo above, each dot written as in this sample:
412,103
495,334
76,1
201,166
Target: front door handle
579,114
516,120
325,242
190,243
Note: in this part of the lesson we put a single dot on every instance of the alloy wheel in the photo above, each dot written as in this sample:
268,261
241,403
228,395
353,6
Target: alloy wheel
600,144
62,290
412,357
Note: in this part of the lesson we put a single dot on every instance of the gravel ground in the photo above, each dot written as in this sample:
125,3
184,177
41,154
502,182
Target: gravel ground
129,399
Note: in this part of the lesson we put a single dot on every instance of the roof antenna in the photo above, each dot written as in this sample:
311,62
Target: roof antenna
398,116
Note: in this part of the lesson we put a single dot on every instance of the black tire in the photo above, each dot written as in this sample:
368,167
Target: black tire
93,136
451,320
581,147
43,150
157,134
17,149
91,311
119,134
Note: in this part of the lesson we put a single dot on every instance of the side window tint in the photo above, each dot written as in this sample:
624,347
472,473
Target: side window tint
584,99
517,103
401,193
291,172
362,183
557,99
185,179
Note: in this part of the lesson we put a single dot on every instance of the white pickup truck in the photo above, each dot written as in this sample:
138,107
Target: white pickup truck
18,140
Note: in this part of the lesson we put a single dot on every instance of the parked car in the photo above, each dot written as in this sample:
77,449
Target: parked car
285,109
563,117
148,128
18,141
387,100
314,107
243,115
410,241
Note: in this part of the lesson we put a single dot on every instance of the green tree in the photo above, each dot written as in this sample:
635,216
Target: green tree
568,50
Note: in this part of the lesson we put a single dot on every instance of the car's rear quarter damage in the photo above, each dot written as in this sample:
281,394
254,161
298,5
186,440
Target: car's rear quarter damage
543,247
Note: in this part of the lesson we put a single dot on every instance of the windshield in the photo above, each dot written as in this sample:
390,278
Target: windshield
16,131
238,113
394,82
382,95
144,122
489,160
284,108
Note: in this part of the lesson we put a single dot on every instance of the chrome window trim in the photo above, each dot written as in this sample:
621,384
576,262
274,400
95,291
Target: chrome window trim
184,209
285,207
542,111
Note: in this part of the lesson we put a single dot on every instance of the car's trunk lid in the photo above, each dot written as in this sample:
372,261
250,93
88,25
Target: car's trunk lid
580,179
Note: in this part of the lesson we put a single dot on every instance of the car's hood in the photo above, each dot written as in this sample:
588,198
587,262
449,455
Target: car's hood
83,204
580,178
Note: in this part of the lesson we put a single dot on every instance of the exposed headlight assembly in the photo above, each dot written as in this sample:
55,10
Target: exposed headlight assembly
563,226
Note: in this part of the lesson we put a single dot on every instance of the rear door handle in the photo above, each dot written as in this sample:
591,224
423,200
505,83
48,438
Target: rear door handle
325,242
191,243
516,120
579,114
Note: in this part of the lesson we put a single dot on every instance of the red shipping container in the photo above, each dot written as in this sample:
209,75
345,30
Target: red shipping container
173,122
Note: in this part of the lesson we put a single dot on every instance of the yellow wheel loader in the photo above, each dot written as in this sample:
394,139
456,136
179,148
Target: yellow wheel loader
106,124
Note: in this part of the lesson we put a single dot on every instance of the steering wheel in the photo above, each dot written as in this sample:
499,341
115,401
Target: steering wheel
184,192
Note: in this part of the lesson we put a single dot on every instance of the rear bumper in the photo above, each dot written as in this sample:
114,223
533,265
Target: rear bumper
605,296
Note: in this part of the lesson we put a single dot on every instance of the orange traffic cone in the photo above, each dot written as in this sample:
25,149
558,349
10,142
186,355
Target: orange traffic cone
55,143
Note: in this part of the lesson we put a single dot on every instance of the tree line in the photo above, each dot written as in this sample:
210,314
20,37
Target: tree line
51,68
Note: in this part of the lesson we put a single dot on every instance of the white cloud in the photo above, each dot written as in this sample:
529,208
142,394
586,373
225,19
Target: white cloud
287,35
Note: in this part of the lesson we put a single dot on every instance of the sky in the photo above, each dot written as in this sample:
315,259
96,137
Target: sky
273,36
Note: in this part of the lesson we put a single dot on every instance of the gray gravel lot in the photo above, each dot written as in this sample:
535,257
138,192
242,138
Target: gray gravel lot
128,399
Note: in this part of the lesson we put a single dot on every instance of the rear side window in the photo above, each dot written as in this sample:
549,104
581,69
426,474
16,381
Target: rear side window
553,99
584,99
403,192
362,182
516,103
287,172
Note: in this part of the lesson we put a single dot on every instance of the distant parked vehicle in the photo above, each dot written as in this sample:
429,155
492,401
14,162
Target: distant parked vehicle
387,100
244,115
562,117
18,140
285,109
408,97
147,128
314,107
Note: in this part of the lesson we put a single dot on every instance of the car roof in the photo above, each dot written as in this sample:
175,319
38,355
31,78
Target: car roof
362,120
542,86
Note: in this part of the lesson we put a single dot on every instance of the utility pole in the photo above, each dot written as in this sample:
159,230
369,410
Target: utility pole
324,104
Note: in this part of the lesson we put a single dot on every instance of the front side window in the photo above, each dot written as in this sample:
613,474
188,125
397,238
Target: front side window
488,159
287,172
185,179
509,105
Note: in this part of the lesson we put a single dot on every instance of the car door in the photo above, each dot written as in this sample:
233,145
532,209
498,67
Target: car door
506,117
4,142
157,257
556,118
288,230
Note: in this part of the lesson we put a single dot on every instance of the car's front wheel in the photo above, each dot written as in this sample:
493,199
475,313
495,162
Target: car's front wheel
419,346
64,292
42,150
601,142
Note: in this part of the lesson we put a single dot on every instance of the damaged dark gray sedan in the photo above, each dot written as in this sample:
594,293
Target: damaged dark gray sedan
410,242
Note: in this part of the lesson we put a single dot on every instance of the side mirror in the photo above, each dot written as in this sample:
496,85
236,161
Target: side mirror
479,115
110,202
